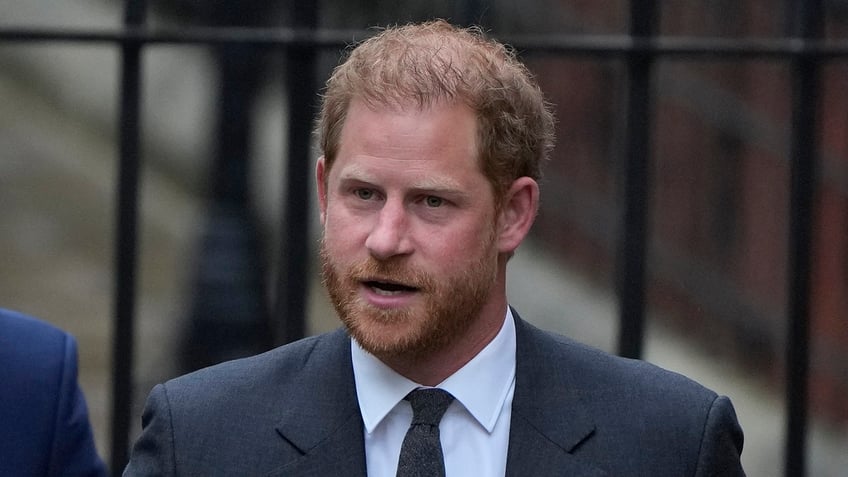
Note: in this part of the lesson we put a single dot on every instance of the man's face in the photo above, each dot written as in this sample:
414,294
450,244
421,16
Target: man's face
409,252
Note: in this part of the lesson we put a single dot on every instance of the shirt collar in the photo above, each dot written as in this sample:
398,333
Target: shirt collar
481,386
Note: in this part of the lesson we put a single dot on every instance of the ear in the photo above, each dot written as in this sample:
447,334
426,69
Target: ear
518,212
321,187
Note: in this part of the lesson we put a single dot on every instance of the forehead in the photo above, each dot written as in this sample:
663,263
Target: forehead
409,136
454,121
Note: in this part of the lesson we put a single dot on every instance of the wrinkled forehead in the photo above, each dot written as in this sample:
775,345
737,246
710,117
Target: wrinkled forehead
416,117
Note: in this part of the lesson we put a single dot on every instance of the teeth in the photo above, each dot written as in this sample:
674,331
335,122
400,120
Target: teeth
383,292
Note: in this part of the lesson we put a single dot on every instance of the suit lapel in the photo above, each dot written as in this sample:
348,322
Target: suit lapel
322,422
340,451
531,452
549,418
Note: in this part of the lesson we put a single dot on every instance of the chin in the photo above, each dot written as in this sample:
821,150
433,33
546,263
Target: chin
391,338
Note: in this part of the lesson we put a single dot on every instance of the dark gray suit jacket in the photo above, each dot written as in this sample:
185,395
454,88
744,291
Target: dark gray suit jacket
576,411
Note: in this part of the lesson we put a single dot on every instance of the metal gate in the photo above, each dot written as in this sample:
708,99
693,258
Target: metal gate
802,48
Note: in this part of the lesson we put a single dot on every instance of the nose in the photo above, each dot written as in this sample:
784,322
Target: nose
389,236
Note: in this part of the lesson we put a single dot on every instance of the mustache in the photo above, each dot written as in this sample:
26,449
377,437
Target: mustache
392,271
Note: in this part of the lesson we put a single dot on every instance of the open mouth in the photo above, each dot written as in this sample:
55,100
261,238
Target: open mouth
388,288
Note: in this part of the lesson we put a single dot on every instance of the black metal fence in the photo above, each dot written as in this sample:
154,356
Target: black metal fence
802,48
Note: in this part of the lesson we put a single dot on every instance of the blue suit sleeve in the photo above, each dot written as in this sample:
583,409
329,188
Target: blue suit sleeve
73,451
721,443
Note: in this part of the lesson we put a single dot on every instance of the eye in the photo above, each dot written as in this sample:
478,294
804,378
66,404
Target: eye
433,201
364,194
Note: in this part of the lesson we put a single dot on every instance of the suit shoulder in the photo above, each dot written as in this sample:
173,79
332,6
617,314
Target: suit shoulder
27,336
656,421
247,398
271,371
607,373
45,420
37,353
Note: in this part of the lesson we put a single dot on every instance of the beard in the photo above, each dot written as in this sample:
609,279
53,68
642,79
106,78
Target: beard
449,303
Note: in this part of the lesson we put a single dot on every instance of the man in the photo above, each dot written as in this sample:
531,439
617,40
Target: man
432,139
44,427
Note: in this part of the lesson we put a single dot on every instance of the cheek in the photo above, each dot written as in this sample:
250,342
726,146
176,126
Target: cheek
460,245
342,232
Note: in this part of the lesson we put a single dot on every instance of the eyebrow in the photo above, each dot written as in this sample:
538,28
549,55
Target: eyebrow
355,173
445,185
439,184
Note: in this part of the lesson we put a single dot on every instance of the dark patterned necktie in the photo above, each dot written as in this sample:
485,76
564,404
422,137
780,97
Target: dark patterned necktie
421,452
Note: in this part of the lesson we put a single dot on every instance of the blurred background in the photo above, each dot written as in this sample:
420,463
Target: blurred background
215,124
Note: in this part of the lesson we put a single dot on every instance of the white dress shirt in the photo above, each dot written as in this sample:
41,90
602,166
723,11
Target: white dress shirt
475,428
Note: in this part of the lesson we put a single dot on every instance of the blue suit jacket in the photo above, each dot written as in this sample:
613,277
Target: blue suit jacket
576,412
44,426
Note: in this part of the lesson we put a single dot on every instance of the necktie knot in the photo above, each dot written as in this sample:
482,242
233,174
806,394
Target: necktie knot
428,405
421,452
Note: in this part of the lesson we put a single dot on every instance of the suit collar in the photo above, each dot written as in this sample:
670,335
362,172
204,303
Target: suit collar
549,417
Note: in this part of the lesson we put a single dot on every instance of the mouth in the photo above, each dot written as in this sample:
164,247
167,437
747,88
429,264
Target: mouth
388,288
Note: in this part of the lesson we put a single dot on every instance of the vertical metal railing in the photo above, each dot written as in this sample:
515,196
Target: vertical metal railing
126,237
633,230
292,267
806,16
